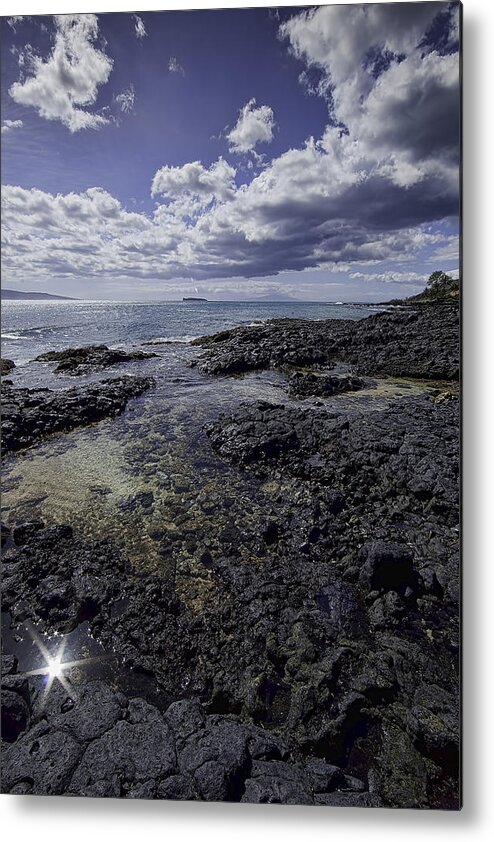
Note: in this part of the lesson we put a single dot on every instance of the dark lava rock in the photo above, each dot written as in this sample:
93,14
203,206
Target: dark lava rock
58,579
5,534
6,366
105,744
75,361
307,385
129,755
42,760
30,415
81,721
15,714
368,513
276,782
420,342
217,758
386,567
322,671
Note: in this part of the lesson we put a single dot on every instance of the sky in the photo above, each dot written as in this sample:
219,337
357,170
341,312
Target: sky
306,153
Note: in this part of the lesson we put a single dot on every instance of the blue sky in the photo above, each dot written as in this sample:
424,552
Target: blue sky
302,152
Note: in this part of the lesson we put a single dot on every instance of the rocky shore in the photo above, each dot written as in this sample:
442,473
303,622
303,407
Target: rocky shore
322,671
30,415
421,343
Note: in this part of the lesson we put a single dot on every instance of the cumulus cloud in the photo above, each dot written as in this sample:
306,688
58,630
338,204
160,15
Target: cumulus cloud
250,232
174,66
62,86
126,99
412,278
254,125
368,190
385,83
140,29
9,125
14,20
196,182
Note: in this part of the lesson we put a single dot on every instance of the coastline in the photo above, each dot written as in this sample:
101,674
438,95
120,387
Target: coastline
323,671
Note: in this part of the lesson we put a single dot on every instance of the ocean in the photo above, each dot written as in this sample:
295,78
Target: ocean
30,328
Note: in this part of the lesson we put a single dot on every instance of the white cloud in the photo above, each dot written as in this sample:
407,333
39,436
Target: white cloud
126,99
9,125
14,20
254,125
399,104
195,181
350,199
251,231
413,278
140,29
174,66
63,85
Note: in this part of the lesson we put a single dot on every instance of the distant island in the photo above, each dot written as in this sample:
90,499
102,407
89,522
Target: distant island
16,295
194,299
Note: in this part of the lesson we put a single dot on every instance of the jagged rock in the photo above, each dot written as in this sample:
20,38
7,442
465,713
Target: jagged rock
76,361
30,415
385,343
42,761
126,756
6,366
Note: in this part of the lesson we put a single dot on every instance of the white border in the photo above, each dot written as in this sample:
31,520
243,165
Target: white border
77,819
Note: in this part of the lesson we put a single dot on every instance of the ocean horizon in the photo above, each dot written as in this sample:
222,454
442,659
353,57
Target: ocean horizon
30,328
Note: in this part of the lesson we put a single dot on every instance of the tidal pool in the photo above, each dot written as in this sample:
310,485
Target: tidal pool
149,480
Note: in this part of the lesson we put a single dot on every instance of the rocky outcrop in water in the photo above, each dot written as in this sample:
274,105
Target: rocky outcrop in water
6,366
30,415
422,343
77,361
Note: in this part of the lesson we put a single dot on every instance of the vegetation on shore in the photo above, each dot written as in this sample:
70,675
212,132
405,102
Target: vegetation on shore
441,288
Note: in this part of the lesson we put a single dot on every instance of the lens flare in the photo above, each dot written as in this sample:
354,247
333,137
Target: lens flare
55,668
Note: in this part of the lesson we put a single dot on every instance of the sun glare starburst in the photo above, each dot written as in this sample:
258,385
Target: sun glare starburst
54,666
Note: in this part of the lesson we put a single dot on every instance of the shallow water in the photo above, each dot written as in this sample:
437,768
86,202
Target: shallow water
149,477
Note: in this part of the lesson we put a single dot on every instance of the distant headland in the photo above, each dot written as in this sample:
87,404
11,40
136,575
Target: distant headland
16,295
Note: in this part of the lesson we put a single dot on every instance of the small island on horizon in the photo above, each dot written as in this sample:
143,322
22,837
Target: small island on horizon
193,299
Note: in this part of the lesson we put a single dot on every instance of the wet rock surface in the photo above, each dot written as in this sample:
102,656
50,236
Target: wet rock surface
321,669
422,342
307,385
6,366
30,415
77,361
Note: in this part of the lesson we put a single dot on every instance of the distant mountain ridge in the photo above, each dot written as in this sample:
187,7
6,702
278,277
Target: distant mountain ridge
17,295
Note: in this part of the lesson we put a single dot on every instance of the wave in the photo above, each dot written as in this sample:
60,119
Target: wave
170,340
